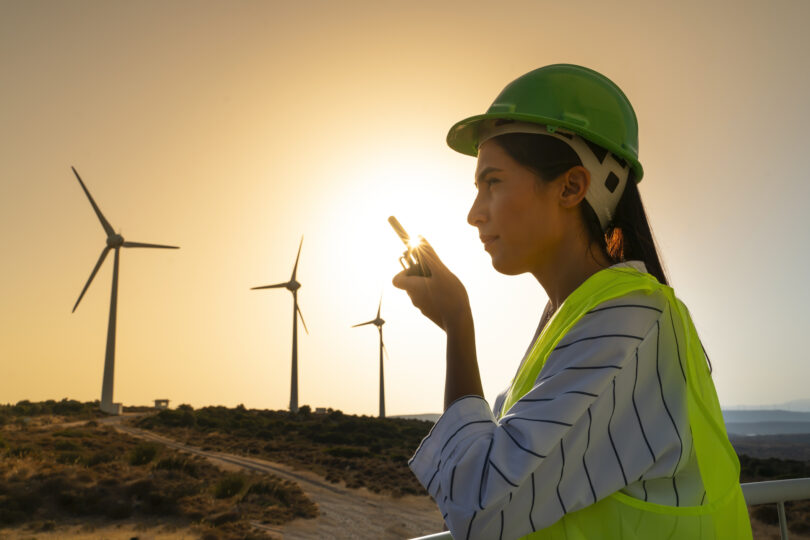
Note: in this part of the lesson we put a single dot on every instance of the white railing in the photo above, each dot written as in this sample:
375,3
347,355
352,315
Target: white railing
779,492
774,491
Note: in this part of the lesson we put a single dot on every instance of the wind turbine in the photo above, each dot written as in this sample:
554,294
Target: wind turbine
116,242
293,287
378,322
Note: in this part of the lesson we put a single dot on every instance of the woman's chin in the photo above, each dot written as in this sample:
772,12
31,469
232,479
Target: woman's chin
503,267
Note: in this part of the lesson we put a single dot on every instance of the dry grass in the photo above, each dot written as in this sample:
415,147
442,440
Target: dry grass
360,451
50,479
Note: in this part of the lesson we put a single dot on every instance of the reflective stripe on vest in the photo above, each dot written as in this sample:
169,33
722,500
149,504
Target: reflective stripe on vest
619,516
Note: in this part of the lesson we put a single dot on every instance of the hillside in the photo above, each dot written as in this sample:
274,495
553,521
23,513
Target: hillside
360,451
54,477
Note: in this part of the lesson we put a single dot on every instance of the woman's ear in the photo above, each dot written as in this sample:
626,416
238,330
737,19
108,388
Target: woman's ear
575,183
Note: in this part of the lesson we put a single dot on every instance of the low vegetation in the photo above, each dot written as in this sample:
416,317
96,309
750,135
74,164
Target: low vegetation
360,451
761,469
372,452
27,413
54,477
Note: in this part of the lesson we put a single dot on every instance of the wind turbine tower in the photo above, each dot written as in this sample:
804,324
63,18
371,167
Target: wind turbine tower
114,242
378,322
293,287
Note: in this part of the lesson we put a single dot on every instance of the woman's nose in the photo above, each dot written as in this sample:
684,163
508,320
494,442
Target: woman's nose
477,214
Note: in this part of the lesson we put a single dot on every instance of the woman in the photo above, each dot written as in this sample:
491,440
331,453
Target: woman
611,427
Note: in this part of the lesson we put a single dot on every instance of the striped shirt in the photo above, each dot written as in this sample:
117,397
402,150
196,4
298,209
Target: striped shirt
607,413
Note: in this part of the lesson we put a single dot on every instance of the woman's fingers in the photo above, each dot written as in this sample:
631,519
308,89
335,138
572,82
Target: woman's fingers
441,296
428,256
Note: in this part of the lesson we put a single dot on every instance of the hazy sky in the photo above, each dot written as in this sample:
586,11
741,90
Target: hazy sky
233,128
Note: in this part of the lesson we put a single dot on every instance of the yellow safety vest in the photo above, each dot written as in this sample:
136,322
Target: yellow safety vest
619,516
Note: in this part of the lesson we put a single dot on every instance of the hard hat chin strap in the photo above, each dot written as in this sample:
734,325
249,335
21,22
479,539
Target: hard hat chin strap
608,175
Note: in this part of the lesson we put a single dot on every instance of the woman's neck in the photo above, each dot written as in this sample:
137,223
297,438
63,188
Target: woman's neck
574,263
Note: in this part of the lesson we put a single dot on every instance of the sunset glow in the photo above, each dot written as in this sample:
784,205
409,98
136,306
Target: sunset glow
232,129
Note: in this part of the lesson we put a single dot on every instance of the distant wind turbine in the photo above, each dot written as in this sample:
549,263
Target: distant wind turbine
293,287
378,322
116,242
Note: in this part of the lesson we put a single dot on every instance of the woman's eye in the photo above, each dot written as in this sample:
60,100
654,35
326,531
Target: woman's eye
491,181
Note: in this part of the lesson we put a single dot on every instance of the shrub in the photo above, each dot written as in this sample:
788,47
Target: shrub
347,452
229,486
68,458
66,446
181,464
98,458
143,454
70,433
118,510
23,450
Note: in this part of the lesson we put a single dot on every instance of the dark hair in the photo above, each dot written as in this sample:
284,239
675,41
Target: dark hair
628,236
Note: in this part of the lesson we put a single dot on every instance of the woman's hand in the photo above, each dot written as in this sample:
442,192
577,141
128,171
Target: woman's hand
441,297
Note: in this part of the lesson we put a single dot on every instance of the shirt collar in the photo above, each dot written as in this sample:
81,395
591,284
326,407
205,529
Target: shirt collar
635,265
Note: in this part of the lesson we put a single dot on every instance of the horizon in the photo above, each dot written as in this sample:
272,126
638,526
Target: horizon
798,406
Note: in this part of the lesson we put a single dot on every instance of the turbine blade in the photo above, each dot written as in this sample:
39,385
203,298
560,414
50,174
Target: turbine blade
363,324
276,286
92,275
385,350
379,307
104,223
302,318
295,268
142,245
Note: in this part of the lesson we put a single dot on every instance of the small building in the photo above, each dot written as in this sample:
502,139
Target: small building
161,404
320,410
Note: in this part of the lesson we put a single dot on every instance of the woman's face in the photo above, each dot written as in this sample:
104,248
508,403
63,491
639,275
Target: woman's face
517,214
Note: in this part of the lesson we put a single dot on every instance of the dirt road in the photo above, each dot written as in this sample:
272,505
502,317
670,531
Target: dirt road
344,513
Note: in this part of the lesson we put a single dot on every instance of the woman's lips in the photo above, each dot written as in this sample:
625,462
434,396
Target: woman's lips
488,240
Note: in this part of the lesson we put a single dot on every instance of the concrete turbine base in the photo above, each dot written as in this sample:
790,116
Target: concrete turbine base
115,409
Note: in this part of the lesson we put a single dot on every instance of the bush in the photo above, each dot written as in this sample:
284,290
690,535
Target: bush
229,486
23,450
68,458
66,446
119,510
181,464
143,454
347,452
98,458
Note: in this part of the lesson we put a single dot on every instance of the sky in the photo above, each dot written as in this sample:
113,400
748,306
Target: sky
233,129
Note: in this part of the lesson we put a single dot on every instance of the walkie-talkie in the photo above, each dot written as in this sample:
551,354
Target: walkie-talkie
411,260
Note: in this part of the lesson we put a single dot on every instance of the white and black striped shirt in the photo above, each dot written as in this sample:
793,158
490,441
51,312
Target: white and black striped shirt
607,413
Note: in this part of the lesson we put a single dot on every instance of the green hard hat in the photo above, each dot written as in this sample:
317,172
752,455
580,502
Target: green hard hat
562,96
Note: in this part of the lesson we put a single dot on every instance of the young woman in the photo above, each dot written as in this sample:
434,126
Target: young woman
611,427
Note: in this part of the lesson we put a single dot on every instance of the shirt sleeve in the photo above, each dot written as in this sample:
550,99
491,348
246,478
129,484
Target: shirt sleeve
507,477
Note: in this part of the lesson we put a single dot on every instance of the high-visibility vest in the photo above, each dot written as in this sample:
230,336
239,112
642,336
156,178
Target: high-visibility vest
619,516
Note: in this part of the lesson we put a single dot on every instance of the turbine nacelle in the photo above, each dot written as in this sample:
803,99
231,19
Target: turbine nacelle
293,286
115,241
